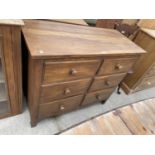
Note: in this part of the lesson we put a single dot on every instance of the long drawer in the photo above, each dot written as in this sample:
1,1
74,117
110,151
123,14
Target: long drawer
60,106
146,83
112,66
69,70
63,90
103,82
97,96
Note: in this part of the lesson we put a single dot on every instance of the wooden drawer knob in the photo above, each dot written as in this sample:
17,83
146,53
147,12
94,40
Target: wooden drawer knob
62,107
108,83
73,72
98,97
67,91
118,66
149,83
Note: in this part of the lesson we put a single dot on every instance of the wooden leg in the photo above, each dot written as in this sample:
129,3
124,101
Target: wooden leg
33,123
118,89
102,102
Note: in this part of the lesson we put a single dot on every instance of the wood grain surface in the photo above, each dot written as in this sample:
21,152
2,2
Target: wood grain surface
45,38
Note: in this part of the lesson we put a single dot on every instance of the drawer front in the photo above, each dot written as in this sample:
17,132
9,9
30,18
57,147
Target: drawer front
111,66
63,90
69,70
97,96
104,82
60,106
146,83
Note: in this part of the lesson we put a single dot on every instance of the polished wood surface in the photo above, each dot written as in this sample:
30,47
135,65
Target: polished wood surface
97,96
64,67
119,65
136,119
144,66
103,82
63,90
69,70
50,39
60,106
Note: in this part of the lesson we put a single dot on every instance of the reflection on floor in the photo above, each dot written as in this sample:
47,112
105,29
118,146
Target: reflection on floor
136,119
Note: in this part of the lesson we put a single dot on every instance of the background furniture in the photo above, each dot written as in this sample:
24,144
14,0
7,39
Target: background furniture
70,21
144,69
127,27
72,66
10,68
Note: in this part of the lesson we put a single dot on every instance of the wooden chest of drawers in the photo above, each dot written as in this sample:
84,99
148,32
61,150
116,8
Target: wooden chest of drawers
144,69
72,66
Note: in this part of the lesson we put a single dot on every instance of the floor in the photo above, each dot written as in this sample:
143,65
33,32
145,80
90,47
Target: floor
20,124
135,119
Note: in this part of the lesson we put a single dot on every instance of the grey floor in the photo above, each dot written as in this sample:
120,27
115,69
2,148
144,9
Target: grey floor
20,124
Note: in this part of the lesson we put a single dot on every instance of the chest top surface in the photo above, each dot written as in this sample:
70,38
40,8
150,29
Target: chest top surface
11,22
45,38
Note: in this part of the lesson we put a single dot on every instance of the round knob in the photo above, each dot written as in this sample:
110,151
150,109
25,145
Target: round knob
123,32
73,72
130,72
108,83
62,107
67,91
118,66
98,97
149,83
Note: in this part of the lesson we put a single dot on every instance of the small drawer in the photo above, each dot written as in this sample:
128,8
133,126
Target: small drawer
63,90
69,70
103,82
146,83
60,106
97,96
111,66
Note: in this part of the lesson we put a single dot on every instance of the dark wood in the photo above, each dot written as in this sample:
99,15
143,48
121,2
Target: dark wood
103,82
108,23
69,70
63,90
98,96
10,34
60,106
65,59
110,66
144,67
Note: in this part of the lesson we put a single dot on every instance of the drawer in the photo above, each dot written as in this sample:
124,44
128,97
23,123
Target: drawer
69,70
111,66
63,90
103,82
97,96
60,106
146,83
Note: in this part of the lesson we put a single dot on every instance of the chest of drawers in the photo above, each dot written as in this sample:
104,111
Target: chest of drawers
144,69
73,66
